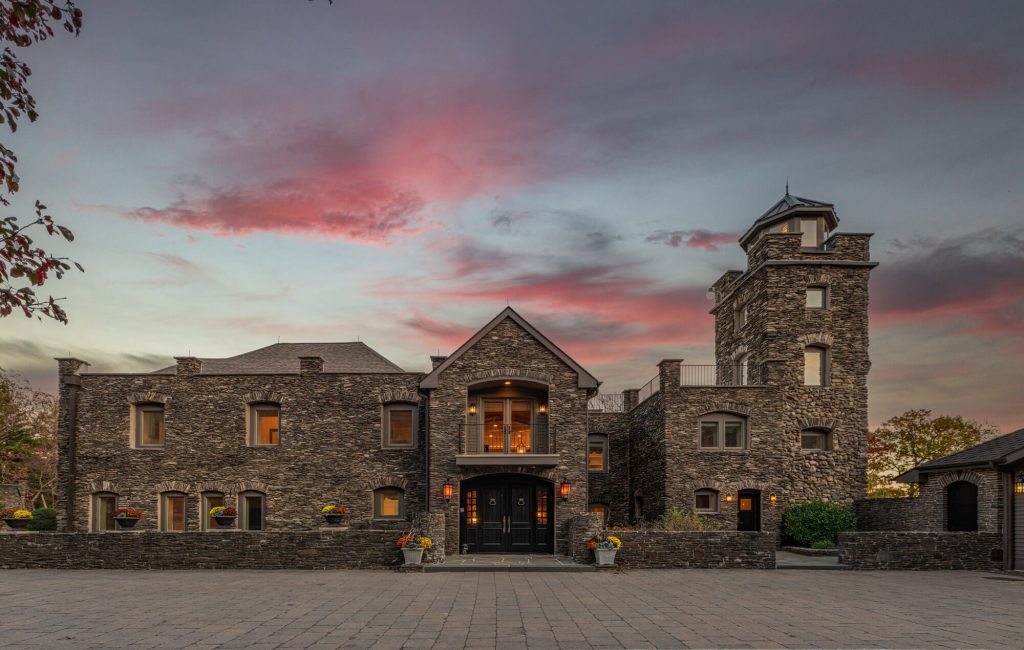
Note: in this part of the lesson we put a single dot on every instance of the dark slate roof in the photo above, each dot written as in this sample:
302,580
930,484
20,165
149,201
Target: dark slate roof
990,451
789,202
284,358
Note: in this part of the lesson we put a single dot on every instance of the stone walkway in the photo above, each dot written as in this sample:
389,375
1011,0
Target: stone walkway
512,562
787,560
389,609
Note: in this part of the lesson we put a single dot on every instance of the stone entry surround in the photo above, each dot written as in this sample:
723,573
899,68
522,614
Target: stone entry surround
364,609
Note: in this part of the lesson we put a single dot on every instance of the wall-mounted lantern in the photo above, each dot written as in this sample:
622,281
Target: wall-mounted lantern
508,382
729,498
564,489
472,409
447,490
543,408
773,499
1018,483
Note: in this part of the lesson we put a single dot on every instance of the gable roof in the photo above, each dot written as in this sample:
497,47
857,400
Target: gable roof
785,207
585,379
1006,448
282,358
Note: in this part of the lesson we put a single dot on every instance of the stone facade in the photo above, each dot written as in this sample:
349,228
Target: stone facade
888,514
610,488
921,550
650,549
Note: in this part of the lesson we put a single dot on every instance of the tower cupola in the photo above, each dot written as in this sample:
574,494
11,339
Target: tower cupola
793,214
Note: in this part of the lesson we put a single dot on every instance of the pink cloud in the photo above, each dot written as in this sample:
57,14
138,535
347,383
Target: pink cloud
703,239
939,72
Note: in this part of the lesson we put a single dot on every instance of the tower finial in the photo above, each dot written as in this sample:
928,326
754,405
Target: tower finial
787,186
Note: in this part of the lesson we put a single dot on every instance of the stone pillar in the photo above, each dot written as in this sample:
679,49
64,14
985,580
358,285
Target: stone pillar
431,524
669,373
583,527
69,382
311,365
630,398
189,366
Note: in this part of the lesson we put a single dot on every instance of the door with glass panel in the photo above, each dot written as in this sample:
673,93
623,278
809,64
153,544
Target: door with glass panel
507,426
748,514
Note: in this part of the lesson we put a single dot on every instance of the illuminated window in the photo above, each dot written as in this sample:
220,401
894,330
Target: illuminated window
597,453
809,233
104,505
400,425
601,509
705,500
388,503
253,510
471,511
722,431
149,425
210,500
815,298
264,425
815,440
542,507
815,366
172,512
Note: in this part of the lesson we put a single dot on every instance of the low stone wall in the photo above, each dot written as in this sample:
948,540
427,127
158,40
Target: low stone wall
921,550
324,549
695,550
888,514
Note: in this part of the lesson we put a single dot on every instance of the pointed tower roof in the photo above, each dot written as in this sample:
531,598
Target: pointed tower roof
585,379
786,207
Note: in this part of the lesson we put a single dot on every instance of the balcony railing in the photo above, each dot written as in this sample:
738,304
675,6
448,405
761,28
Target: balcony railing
723,374
537,438
608,403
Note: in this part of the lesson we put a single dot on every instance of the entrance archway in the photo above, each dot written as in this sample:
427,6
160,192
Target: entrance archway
507,513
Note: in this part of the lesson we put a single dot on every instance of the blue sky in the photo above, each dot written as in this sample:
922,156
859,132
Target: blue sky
238,171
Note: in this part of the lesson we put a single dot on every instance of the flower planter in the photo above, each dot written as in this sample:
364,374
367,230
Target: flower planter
413,555
605,556
224,521
18,523
124,523
333,519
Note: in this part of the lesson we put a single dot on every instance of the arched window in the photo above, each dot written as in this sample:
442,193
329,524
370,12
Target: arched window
172,512
962,506
148,423
705,500
253,510
597,452
815,440
723,431
104,505
264,421
815,366
389,503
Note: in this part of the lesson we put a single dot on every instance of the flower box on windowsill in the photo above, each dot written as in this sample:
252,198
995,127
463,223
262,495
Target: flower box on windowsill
126,523
18,523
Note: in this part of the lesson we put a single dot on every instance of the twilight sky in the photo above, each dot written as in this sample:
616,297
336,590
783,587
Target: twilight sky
240,171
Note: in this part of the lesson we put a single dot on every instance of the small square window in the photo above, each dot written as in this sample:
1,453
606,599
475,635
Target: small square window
815,298
709,434
264,425
388,503
705,501
400,426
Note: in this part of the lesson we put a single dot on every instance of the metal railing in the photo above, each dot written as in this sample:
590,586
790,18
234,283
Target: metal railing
538,438
610,403
723,374
649,389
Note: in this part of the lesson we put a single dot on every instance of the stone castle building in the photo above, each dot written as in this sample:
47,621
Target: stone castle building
507,437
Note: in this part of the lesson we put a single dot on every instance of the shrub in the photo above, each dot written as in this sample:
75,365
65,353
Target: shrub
43,519
822,544
816,521
691,521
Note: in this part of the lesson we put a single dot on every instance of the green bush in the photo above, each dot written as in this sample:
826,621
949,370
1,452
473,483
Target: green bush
822,544
689,522
813,522
43,519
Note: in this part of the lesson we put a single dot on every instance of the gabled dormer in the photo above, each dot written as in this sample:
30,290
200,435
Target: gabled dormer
794,214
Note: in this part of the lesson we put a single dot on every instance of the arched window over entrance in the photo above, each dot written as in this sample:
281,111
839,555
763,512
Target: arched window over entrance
962,506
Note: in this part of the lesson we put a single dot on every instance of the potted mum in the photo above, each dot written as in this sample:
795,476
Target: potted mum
604,547
333,514
413,545
224,516
17,519
127,517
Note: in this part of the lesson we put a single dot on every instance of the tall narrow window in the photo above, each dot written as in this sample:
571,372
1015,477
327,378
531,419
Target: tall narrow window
815,362
741,314
210,500
104,505
705,500
815,298
388,503
471,508
172,512
400,425
149,425
264,425
743,370
542,506
597,453
809,233
253,506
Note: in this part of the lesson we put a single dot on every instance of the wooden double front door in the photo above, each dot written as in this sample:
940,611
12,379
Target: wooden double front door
507,514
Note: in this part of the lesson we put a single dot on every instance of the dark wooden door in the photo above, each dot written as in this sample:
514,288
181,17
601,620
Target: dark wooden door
491,527
507,514
962,506
1018,525
748,509
520,518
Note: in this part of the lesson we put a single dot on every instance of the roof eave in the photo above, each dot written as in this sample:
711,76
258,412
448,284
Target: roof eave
828,209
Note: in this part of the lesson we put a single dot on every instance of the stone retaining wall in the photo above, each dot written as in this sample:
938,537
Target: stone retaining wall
695,550
921,550
324,549
888,514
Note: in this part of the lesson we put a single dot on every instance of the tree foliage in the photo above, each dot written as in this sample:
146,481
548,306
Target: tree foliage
24,266
28,438
903,442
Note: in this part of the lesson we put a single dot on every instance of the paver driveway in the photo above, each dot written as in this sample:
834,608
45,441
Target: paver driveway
385,609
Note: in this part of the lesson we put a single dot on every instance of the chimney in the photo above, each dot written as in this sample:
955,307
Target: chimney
630,398
67,366
311,365
188,366
435,361
670,372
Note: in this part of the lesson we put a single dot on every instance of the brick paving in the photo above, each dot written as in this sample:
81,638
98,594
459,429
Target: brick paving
387,609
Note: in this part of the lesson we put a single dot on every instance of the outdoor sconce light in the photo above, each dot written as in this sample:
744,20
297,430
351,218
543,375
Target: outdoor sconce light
447,489
543,408
472,409
1018,485
564,489
508,383
773,499
729,498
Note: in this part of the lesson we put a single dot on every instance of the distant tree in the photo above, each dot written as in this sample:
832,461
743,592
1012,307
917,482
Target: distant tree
28,438
24,266
903,442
